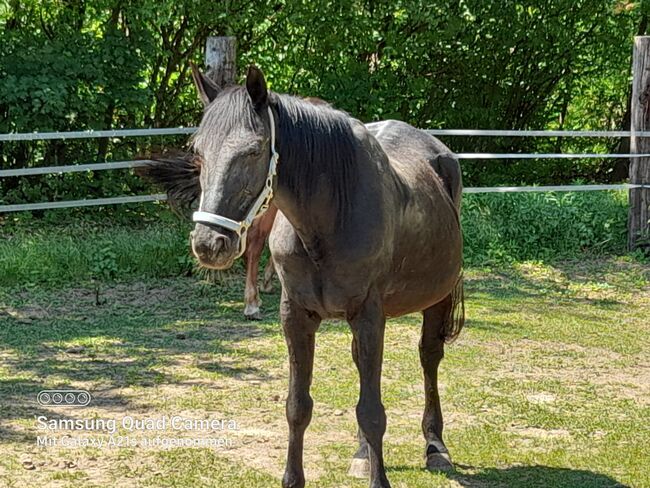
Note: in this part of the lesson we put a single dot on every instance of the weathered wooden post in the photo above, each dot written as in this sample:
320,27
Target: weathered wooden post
639,216
221,60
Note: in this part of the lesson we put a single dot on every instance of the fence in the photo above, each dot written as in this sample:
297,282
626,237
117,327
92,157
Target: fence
189,130
220,59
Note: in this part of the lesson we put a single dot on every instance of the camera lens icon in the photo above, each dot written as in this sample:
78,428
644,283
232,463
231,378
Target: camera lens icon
44,398
67,398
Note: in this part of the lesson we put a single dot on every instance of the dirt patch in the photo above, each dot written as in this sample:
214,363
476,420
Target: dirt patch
539,433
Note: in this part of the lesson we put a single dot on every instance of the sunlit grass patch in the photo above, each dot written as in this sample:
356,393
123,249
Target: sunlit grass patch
548,384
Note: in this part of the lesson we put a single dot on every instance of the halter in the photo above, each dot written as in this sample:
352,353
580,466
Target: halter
260,206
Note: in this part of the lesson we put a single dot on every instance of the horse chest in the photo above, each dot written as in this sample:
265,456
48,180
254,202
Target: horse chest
325,291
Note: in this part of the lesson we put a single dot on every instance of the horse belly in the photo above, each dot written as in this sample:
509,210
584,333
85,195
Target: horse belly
423,277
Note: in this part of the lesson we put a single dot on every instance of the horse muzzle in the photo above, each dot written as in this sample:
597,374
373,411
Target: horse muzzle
213,249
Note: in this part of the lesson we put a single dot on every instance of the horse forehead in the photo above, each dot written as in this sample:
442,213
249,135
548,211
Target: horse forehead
236,141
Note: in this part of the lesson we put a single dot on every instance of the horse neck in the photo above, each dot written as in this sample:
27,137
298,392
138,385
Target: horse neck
317,169
310,216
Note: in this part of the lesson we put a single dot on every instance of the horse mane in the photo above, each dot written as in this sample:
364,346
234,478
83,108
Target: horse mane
316,142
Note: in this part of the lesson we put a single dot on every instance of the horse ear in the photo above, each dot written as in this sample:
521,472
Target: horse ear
256,87
206,88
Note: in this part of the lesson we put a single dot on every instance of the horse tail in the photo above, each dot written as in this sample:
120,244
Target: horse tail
456,320
178,174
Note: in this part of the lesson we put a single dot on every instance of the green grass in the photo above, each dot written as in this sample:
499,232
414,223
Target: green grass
548,385
523,226
149,242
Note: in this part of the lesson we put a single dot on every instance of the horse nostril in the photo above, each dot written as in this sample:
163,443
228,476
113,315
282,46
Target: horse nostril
219,244
201,249
208,245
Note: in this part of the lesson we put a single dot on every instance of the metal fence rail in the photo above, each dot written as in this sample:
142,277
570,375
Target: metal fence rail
83,203
547,156
90,134
74,168
189,130
536,133
95,134
161,196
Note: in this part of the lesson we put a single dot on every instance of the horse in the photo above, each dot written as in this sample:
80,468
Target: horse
367,228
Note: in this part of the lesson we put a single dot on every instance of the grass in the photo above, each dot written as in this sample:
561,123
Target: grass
146,241
548,385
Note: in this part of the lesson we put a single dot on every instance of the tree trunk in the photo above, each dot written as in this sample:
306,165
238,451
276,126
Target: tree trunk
221,60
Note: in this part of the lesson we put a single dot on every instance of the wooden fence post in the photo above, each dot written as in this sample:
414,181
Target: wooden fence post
221,60
639,216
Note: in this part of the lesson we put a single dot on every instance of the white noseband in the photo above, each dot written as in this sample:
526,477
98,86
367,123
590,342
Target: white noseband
259,207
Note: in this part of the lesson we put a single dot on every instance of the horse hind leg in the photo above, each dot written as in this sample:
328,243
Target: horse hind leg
269,271
435,327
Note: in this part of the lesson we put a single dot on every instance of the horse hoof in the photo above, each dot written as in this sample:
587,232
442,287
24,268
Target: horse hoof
439,461
360,468
252,311
253,316
293,480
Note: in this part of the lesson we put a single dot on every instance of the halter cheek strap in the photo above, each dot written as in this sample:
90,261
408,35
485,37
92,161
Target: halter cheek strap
260,205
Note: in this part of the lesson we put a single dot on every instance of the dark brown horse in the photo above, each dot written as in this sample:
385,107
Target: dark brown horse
368,227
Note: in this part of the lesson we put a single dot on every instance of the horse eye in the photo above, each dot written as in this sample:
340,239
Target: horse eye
253,152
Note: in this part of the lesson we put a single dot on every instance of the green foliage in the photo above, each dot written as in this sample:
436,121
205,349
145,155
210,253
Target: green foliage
100,64
540,226
104,264
54,255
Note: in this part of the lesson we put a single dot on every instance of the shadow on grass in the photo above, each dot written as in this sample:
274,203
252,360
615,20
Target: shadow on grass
19,402
129,341
560,280
536,476
526,477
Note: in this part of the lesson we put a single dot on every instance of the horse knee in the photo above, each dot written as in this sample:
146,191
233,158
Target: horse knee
299,410
371,417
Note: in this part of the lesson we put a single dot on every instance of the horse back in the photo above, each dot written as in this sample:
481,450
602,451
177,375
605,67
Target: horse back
405,146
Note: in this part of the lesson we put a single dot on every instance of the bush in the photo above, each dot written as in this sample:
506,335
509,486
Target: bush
498,228
521,226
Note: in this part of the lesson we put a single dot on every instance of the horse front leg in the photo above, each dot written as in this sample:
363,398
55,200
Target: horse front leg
368,325
269,271
300,328
360,466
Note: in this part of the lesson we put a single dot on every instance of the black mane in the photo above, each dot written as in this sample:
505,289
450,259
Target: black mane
315,141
